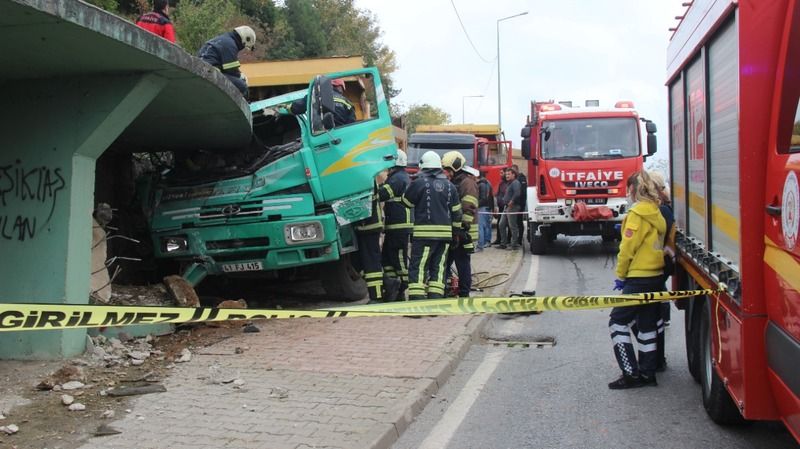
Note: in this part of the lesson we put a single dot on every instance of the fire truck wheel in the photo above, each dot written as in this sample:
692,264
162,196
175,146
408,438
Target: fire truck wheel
538,244
341,281
691,328
717,401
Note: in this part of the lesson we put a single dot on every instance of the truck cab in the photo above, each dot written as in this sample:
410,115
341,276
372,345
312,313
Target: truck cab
580,155
289,200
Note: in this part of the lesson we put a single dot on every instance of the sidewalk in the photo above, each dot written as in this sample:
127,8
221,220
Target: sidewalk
306,383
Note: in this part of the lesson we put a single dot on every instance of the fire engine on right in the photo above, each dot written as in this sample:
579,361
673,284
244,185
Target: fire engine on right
733,82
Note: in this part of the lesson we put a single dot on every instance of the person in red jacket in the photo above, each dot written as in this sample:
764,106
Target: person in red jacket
157,21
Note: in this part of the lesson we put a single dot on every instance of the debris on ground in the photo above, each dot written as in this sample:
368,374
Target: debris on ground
279,393
108,414
76,407
67,399
186,356
229,304
105,430
251,329
10,429
182,291
136,390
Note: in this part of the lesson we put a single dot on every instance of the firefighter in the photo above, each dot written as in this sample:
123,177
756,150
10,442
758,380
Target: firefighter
223,53
157,21
437,211
640,269
455,167
397,231
344,113
368,234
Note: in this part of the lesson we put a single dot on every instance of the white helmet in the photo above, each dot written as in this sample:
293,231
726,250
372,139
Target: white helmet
430,159
402,159
247,35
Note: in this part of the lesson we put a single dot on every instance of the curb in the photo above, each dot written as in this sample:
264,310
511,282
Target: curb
385,435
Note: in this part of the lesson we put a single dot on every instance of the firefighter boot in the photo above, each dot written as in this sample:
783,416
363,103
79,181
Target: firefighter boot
391,288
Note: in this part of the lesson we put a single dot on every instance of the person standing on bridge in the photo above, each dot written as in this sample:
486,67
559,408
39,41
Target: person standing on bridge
157,21
640,269
437,211
223,53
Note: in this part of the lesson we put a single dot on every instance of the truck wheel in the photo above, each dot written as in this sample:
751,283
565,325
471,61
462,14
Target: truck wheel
538,244
341,281
717,401
691,329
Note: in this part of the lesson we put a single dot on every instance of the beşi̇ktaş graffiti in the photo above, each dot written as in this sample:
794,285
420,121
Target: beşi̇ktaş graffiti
25,188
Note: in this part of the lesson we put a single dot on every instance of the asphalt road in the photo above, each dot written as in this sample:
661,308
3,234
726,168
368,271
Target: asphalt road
505,395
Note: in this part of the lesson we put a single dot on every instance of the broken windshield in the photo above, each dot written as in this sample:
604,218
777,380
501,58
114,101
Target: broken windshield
598,138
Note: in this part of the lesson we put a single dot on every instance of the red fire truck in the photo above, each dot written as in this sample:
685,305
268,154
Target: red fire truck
580,155
734,85
484,146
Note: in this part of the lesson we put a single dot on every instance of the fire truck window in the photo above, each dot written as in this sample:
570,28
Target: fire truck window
483,154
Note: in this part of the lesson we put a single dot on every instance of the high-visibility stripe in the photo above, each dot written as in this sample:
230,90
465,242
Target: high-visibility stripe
373,275
374,283
470,199
428,235
231,65
440,271
431,227
344,102
406,202
370,226
456,208
388,189
468,218
400,226
420,280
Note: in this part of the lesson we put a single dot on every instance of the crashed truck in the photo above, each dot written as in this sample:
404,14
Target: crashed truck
287,203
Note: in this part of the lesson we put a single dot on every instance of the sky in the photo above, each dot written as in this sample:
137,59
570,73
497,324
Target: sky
575,50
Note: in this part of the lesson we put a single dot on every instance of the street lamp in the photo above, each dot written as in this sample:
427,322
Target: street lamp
499,112
462,104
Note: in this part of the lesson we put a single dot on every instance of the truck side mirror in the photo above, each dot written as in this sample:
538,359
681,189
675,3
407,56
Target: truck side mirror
650,127
526,148
321,103
526,132
652,145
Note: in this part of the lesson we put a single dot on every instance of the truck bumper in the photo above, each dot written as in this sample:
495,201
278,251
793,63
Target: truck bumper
556,218
262,246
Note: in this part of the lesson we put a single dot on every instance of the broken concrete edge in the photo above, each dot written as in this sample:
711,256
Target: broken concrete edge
384,435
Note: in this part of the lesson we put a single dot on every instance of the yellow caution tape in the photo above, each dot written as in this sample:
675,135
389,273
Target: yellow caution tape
19,317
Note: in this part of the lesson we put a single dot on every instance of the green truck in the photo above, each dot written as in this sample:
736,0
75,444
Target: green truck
286,203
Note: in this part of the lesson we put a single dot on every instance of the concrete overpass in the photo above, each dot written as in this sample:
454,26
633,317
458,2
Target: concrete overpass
76,80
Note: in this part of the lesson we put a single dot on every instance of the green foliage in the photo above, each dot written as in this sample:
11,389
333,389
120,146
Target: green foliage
424,114
108,5
197,21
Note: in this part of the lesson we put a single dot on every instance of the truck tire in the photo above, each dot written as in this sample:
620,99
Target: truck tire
691,329
717,401
341,281
538,244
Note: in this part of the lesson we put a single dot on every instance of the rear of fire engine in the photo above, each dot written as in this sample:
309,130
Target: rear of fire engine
578,162
734,86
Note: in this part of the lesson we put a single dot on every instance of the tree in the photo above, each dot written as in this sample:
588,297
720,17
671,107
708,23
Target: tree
197,21
424,114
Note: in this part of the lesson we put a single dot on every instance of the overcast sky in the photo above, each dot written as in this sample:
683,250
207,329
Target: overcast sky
562,50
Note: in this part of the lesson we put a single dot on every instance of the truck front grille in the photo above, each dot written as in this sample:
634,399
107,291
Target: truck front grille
237,243
237,210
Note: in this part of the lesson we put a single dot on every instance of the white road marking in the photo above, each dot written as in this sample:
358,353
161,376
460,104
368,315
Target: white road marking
441,435
533,274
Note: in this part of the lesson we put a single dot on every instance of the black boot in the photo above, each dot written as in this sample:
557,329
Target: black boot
391,288
625,381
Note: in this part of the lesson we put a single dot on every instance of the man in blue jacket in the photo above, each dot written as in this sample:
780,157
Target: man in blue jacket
223,53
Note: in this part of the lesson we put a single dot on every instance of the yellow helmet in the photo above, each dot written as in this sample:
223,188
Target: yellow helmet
454,160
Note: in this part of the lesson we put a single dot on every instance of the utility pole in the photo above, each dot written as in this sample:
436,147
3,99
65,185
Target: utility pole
499,103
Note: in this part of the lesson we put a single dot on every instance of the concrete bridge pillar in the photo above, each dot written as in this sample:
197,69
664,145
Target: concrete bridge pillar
51,133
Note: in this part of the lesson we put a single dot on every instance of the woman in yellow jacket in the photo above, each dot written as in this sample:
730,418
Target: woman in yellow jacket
640,269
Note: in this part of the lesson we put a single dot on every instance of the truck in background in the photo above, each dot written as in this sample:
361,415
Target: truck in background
489,152
734,91
288,201
580,155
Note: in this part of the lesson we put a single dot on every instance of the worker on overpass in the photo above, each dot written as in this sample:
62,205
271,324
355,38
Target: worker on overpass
157,21
223,53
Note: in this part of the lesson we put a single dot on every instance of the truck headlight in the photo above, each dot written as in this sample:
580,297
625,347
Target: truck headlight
303,232
174,244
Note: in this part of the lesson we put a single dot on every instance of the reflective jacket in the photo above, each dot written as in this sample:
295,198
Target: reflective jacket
223,53
641,251
468,192
437,208
157,23
398,216
375,222
343,113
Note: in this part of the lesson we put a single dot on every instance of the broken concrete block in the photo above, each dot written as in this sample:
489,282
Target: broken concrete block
181,291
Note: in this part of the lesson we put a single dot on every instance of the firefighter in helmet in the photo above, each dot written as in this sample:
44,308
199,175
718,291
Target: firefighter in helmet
437,211
455,167
399,225
223,53
344,113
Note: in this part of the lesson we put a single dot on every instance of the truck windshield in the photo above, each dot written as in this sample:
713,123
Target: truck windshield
416,150
600,138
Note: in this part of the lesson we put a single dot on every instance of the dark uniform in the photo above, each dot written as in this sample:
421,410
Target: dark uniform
437,211
463,246
398,226
343,112
368,233
223,53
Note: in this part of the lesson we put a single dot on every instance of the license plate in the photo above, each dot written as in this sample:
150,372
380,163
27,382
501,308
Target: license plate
244,266
592,200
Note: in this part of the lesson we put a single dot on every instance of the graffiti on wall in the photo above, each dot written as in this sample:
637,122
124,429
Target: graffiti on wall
28,198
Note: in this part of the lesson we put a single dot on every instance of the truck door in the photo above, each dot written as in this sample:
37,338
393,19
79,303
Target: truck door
491,156
351,139
782,241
